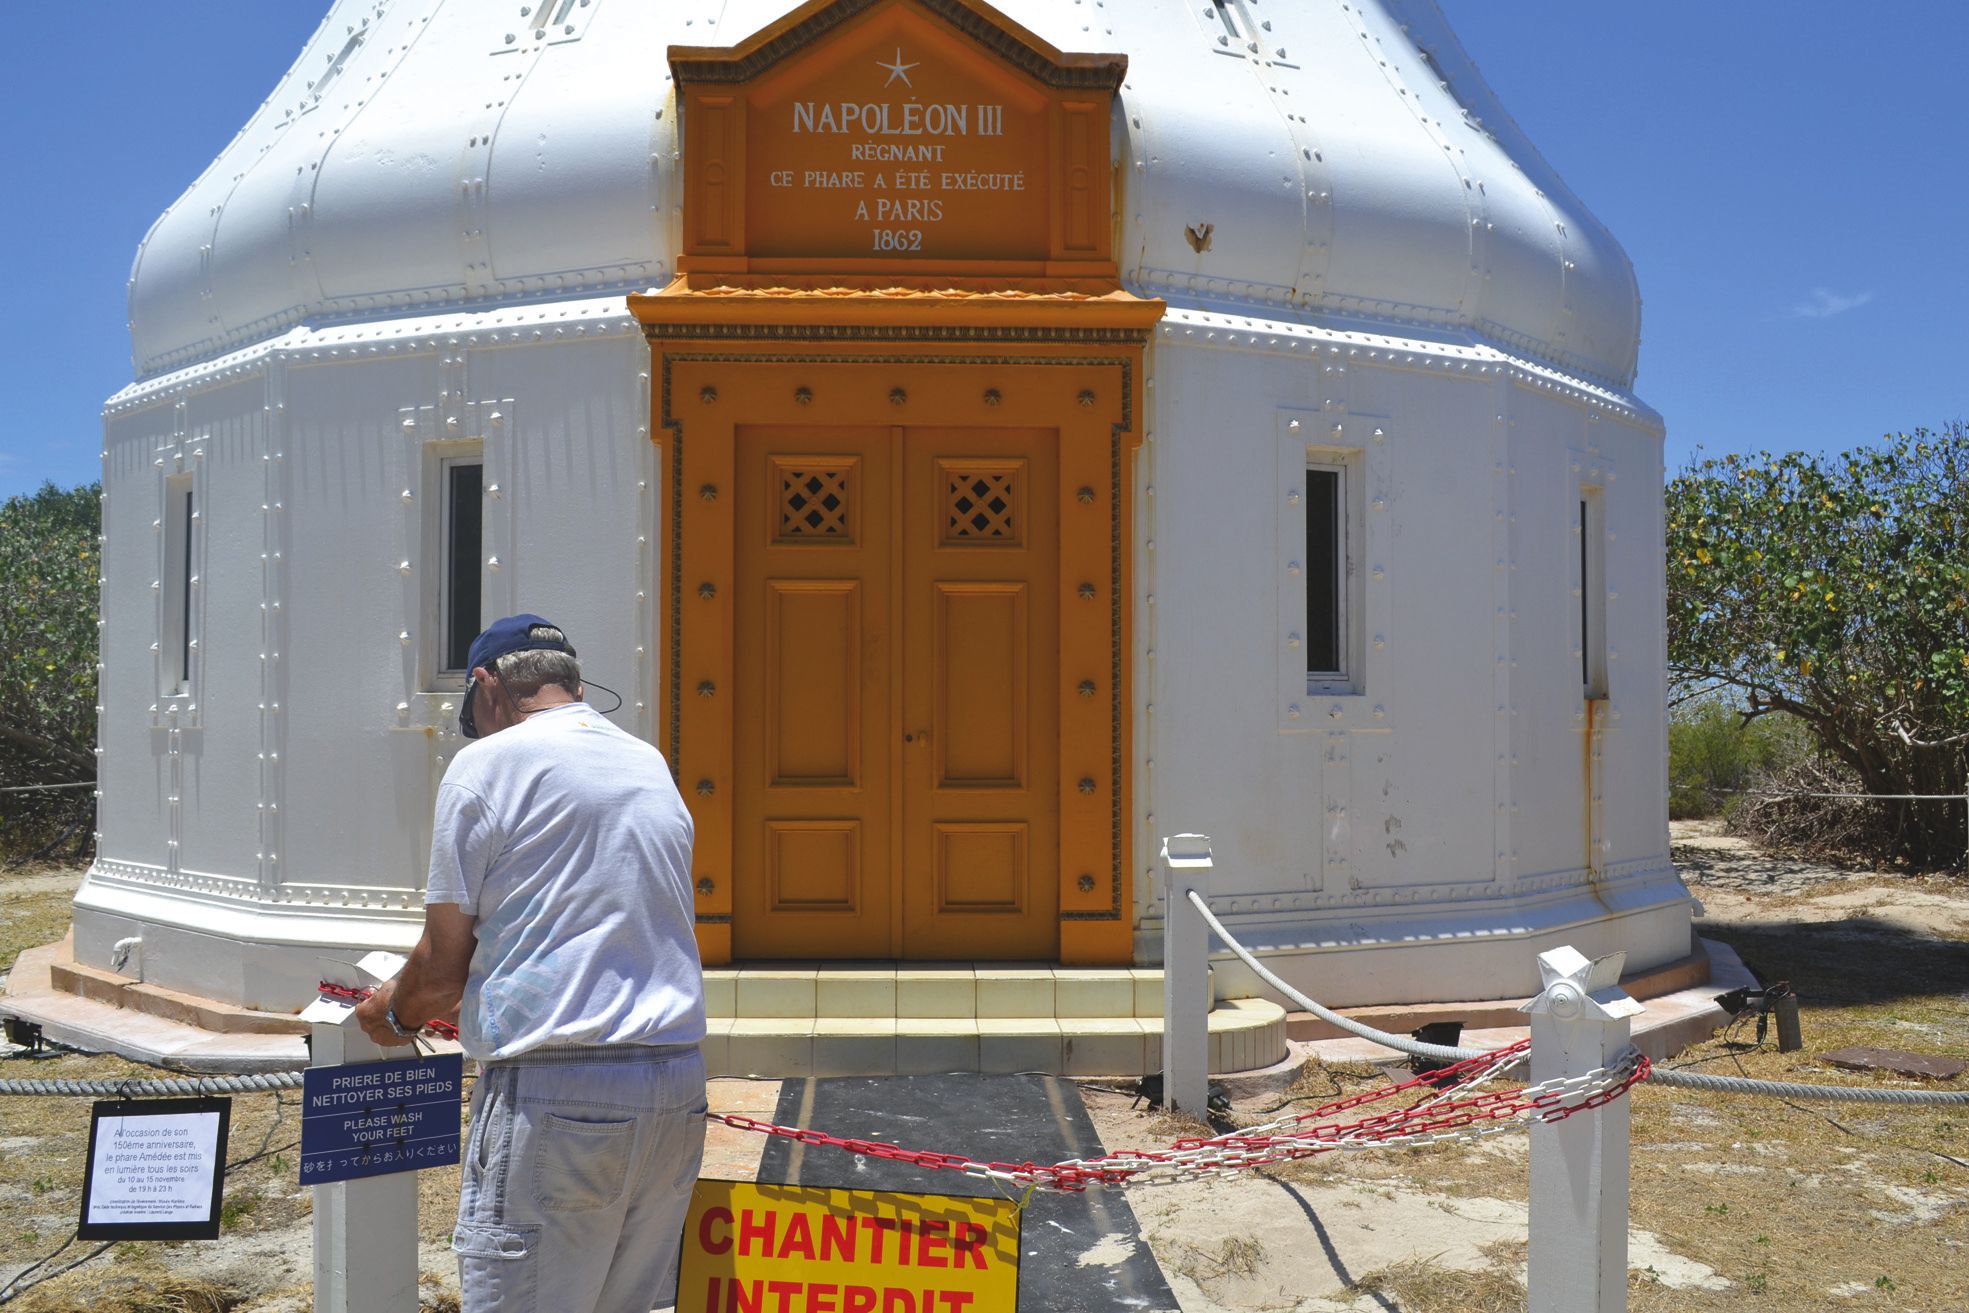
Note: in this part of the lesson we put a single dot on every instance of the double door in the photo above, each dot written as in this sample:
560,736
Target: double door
896,716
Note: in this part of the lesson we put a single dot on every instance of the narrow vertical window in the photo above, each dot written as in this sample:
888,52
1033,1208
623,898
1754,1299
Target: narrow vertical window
1326,573
464,513
1593,592
175,642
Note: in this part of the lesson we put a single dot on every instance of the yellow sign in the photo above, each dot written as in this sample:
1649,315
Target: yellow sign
799,1249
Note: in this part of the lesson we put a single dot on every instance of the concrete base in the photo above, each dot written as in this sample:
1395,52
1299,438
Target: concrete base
235,1042
1668,1024
1690,973
1248,1036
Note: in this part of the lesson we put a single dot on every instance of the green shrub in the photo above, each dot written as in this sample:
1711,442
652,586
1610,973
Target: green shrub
1714,758
1834,591
49,562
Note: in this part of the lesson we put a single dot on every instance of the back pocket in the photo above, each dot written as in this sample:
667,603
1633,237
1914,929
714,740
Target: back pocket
580,1165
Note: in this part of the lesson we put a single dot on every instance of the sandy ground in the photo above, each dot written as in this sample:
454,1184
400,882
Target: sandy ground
1733,1199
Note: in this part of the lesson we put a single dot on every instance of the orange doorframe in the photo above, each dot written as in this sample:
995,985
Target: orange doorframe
1085,382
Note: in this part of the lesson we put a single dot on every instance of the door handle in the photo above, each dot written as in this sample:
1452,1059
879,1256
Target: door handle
923,734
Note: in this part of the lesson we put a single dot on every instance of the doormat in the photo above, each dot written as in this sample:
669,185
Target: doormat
1084,1253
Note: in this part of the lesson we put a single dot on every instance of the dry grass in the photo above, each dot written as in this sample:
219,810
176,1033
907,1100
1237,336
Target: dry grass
44,1144
1419,1285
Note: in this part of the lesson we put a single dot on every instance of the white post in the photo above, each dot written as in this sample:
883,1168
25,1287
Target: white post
365,1232
1185,975
1579,1022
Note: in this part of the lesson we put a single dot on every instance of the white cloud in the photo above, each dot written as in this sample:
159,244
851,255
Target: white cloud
1825,303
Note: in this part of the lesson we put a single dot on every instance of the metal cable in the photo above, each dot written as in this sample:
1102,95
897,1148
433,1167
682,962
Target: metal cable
146,1089
1686,1079
1697,1080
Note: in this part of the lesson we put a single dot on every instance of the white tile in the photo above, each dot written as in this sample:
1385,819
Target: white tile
1080,993
775,994
1015,994
720,992
929,993
855,994
1107,1052
763,1052
1018,1044
931,1047
842,1050
716,1046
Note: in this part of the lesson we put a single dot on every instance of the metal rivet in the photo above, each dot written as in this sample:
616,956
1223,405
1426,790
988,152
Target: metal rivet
1087,784
706,688
1087,592
803,395
709,492
707,590
1086,495
707,394
705,788
1086,397
1087,688
706,887
1086,883
993,396
897,396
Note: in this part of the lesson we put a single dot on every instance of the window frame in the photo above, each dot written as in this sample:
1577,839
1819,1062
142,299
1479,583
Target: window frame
177,636
446,463
1591,620
1341,677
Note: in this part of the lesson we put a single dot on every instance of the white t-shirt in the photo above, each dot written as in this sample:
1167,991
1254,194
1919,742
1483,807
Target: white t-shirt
566,838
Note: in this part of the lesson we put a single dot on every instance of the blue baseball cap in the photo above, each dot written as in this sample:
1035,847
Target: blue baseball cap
516,633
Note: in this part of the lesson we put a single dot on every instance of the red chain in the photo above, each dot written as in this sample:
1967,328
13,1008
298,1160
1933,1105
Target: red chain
1416,1121
350,994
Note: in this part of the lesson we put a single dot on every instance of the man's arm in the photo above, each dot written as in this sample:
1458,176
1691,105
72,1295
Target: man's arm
431,983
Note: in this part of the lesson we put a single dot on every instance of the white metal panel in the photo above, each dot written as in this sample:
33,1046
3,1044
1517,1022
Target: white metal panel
220,789
1348,158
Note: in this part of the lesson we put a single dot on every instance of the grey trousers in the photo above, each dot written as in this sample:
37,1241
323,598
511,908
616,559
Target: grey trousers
577,1175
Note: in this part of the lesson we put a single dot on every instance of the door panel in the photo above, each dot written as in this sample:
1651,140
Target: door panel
979,666
812,690
980,626
814,809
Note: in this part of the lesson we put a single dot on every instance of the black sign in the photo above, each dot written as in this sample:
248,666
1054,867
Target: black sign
157,1169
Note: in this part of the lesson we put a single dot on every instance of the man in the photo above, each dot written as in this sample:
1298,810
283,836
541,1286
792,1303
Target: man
558,922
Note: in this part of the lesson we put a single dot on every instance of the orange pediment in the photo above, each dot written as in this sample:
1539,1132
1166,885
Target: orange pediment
897,143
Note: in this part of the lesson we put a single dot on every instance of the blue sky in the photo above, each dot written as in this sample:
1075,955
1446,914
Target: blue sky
1788,179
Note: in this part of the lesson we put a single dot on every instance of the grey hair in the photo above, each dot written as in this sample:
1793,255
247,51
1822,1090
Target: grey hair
526,673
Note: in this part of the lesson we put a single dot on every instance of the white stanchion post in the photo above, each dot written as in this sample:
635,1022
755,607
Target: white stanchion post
1579,1022
365,1232
1186,865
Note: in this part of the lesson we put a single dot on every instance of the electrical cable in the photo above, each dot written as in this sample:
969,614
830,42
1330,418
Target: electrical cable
1690,1080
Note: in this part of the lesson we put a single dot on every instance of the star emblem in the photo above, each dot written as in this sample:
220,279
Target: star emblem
898,69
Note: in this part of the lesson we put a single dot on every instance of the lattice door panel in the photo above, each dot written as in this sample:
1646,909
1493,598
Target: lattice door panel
815,500
982,503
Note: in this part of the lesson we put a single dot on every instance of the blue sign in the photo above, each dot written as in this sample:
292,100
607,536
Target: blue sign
374,1118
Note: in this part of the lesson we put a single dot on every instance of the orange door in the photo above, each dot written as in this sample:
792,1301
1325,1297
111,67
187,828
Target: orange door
896,710
981,643
814,765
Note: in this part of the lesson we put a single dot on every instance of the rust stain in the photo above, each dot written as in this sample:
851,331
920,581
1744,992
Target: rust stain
1593,871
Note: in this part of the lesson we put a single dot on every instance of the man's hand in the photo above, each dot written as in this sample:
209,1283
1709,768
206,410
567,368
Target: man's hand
375,1024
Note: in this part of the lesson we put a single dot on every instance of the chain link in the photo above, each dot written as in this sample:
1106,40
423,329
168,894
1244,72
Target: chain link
350,994
1449,1115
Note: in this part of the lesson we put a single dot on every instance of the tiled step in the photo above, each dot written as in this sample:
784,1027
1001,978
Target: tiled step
825,1021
